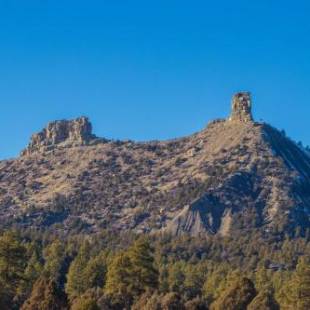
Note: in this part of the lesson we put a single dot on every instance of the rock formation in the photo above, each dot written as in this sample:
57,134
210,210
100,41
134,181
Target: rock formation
236,175
64,132
241,108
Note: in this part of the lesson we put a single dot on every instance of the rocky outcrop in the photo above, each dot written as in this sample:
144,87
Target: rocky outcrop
236,175
64,132
241,108
200,217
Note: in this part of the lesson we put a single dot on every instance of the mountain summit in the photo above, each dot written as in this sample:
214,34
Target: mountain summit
64,132
236,175
242,108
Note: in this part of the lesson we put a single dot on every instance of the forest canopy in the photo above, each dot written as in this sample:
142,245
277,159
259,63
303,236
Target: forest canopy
127,271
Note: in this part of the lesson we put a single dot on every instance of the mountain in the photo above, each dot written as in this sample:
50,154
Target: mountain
236,175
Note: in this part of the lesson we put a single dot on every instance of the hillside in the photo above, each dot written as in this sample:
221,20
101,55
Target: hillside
234,175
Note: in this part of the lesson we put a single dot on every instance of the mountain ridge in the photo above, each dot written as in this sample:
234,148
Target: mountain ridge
234,175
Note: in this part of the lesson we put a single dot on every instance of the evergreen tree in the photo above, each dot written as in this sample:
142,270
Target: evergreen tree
237,297
177,277
5,299
281,282
85,303
172,301
186,279
95,272
261,278
301,285
264,301
85,272
132,273
32,271
75,285
196,304
45,296
55,261
143,274
118,283
215,282
12,265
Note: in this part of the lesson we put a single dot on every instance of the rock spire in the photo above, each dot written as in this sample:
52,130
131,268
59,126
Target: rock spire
241,107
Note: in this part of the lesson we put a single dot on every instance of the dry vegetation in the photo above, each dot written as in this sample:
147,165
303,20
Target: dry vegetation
231,175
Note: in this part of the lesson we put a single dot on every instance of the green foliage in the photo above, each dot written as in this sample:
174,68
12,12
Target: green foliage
75,283
131,273
196,304
186,279
118,284
85,303
85,272
172,301
55,260
300,285
215,282
45,296
156,301
13,261
303,284
262,278
32,271
237,297
143,273
264,301
163,272
148,301
95,271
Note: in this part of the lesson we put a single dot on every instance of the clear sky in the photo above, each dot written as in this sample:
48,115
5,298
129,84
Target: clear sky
151,69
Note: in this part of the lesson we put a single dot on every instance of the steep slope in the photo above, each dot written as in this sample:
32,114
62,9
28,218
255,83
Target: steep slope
234,175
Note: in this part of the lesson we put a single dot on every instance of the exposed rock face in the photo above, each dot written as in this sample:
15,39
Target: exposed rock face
234,176
70,133
241,108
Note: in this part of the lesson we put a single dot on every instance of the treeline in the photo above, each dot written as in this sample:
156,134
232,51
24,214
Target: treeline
124,271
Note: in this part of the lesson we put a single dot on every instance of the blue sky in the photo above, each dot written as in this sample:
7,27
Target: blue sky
151,69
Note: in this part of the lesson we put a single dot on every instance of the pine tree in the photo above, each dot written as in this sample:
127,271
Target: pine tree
118,283
261,278
215,283
237,297
32,271
45,296
264,301
132,273
12,265
55,261
85,272
177,277
75,285
301,285
85,303
95,272
143,273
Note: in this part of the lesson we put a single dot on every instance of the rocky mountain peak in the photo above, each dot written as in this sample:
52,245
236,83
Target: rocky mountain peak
242,107
64,132
236,175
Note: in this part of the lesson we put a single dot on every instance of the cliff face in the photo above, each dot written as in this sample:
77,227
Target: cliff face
64,132
235,175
